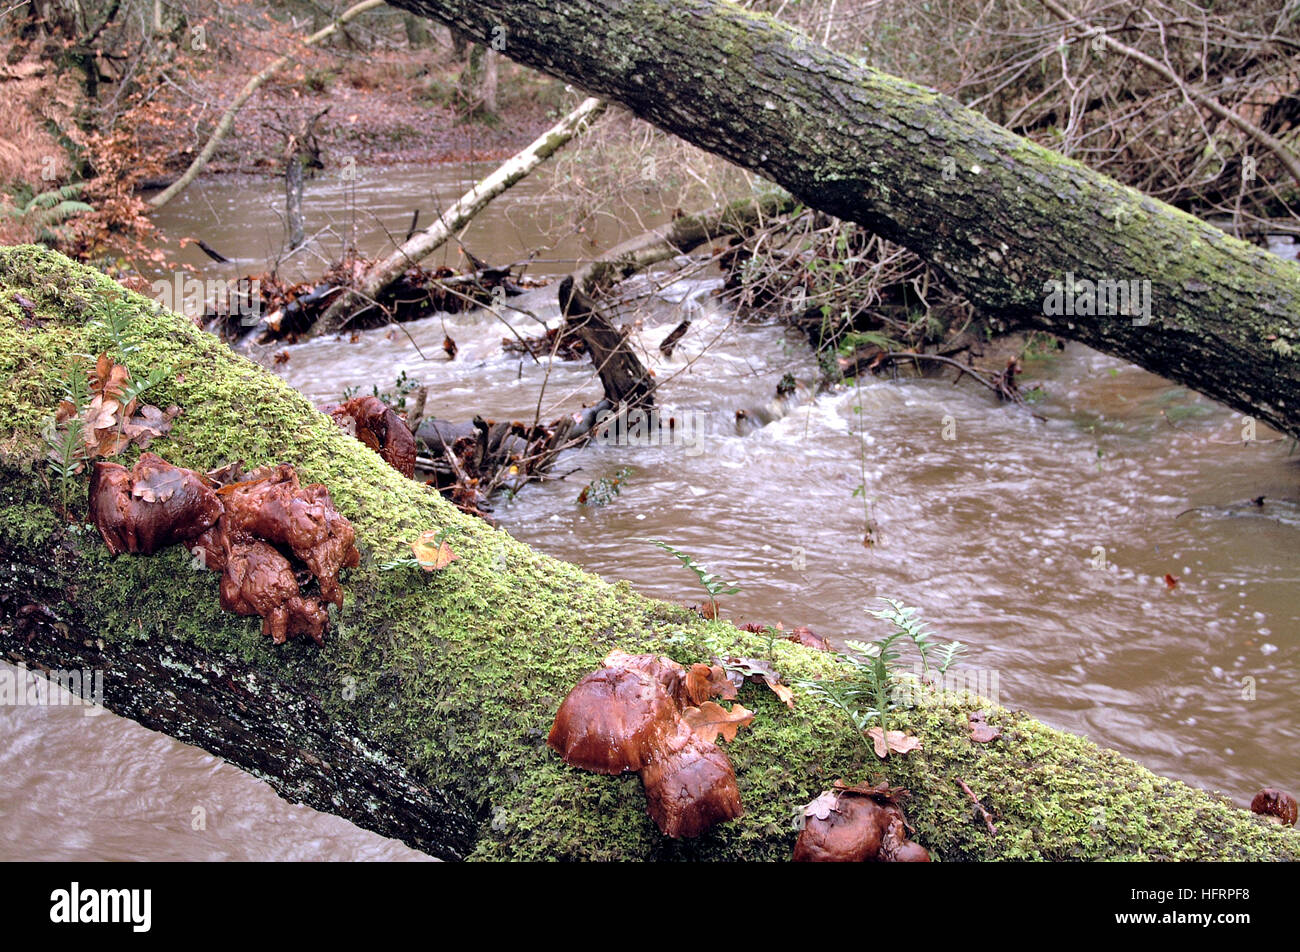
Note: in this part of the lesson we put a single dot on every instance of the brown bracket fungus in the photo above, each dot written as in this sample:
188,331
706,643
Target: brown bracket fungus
687,688
245,530
209,547
1278,804
152,506
614,720
302,519
258,580
856,825
690,788
628,716
375,424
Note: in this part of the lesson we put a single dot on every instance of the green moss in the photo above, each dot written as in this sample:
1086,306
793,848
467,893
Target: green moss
461,671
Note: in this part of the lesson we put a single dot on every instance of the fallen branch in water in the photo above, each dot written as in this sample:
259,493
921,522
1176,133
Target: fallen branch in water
380,275
1001,383
681,235
288,311
469,462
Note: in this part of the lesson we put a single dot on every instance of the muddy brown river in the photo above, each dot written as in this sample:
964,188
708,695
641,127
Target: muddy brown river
1042,545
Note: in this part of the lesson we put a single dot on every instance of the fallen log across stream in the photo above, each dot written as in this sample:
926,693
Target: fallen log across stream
381,275
425,714
1011,224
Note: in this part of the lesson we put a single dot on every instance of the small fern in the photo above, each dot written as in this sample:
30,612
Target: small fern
865,694
47,213
134,389
713,584
395,398
116,323
65,447
905,622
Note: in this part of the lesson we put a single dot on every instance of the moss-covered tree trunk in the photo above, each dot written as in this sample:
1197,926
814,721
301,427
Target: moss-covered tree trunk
997,214
425,714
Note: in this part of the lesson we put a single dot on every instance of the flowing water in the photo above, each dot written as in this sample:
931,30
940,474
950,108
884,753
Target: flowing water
1043,545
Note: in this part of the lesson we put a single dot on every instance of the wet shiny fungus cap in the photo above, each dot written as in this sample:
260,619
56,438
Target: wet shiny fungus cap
1275,803
614,720
691,789
150,506
850,833
856,829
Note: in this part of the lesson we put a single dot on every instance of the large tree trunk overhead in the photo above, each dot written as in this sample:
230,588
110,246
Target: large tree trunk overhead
1001,217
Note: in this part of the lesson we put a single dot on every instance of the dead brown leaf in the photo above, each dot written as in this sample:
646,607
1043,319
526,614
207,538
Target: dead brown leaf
899,742
759,671
160,484
711,719
827,802
108,426
432,554
225,475
102,413
782,691
149,424
110,378
805,636
704,681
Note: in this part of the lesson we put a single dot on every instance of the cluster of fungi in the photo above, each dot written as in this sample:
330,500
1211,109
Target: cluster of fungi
255,530
857,824
627,716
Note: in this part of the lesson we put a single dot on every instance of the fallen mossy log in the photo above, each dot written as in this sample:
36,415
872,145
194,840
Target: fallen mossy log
425,714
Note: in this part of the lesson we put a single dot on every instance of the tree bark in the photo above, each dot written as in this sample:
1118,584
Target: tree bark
478,83
996,214
301,151
293,199
488,88
424,716
418,34
626,382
